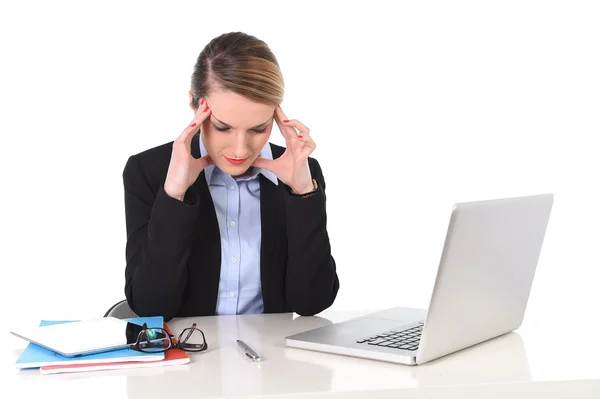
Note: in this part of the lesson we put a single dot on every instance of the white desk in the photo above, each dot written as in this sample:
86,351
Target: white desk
537,361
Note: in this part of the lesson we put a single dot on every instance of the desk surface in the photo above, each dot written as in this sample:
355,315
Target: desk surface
538,359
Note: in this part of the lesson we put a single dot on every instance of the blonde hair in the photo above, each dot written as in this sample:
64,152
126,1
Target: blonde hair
240,63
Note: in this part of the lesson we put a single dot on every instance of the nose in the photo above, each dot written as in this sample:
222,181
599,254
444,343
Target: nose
240,147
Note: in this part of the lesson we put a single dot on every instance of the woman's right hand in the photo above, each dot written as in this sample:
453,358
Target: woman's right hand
184,168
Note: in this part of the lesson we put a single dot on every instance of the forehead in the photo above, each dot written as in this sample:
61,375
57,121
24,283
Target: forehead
238,111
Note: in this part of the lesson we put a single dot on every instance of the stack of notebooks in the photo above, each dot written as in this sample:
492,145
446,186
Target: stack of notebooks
49,362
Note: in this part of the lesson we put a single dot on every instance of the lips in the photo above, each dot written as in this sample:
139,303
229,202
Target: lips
236,161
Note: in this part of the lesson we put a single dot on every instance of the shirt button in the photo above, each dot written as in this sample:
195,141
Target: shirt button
232,294
232,223
234,259
232,187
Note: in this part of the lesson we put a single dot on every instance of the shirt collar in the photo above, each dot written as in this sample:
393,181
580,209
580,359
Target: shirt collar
264,153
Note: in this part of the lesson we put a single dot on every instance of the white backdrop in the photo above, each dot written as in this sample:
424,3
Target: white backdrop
413,107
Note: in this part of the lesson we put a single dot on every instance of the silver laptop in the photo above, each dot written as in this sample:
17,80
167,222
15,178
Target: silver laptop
481,290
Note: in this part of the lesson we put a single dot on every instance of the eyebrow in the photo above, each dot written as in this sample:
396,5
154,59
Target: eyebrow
257,126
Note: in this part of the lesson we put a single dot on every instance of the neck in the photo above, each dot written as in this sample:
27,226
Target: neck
248,172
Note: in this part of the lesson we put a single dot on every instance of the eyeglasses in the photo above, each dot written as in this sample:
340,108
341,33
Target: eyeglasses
159,340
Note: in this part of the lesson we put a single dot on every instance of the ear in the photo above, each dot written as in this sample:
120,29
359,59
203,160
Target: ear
192,101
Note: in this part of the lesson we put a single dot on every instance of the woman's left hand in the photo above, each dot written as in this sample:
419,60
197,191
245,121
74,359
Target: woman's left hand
291,167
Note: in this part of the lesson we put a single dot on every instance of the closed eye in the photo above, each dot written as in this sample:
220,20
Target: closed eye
224,129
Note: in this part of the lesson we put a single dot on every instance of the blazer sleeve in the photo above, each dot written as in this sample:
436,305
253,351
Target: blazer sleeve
159,231
311,281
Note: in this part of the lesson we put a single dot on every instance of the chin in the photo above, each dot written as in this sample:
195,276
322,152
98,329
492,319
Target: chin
234,170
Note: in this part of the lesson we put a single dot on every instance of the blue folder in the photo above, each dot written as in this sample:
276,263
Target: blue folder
35,356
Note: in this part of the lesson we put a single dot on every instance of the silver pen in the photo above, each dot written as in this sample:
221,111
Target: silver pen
248,351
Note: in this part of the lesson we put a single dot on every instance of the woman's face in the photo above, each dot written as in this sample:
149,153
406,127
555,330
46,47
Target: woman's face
236,131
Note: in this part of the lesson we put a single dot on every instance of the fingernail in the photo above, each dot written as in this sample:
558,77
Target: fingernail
202,102
193,124
206,110
286,121
300,137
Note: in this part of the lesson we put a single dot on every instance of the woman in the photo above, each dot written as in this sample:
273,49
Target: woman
220,221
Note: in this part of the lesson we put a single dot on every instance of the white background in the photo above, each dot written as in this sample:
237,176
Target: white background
414,106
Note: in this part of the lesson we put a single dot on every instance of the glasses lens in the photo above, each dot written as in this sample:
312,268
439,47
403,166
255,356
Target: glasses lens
192,340
154,340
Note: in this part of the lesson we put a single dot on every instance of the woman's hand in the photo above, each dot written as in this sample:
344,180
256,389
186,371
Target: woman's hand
184,168
291,167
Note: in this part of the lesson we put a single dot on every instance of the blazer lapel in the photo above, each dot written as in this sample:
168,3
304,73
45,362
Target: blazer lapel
272,217
207,233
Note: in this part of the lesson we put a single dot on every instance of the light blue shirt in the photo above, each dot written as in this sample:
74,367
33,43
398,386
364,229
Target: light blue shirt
237,205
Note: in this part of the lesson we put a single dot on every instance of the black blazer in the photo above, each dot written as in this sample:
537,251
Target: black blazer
173,248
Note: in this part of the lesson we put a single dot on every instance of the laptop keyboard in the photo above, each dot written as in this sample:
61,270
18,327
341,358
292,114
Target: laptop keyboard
407,339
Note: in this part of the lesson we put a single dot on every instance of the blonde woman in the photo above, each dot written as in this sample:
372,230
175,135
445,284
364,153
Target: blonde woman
220,221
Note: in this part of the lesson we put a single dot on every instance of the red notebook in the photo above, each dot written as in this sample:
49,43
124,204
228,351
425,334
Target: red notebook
173,356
